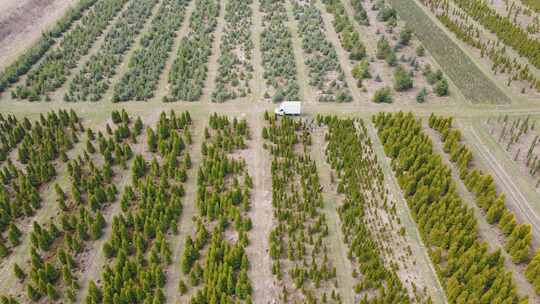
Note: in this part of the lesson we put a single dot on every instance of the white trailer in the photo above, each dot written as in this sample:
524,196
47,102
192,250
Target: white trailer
289,108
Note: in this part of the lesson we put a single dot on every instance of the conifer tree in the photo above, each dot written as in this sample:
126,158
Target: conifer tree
19,273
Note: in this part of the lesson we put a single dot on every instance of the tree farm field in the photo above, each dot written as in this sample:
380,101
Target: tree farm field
142,159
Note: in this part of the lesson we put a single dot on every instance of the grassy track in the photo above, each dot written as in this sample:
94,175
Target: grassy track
474,85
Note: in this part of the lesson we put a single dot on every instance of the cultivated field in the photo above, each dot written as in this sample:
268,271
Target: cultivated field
141,160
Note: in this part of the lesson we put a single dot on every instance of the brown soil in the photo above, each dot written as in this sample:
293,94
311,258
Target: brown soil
23,21
265,289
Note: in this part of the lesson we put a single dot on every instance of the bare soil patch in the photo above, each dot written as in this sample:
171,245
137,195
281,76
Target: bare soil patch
23,21
265,289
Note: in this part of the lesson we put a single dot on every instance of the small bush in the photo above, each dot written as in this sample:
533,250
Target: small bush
383,95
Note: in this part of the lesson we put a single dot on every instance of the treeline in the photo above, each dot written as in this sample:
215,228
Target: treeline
235,62
137,249
518,236
325,73
44,142
58,246
190,68
214,259
468,271
24,62
350,154
148,61
94,78
518,242
298,243
280,71
53,71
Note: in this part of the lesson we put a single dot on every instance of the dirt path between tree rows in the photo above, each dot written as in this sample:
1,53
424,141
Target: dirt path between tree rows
58,94
258,83
265,289
163,87
186,227
213,65
369,38
302,73
419,249
343,56
337,246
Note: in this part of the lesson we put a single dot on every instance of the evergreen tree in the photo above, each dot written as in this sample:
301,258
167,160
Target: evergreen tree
14,234
19,273
402,79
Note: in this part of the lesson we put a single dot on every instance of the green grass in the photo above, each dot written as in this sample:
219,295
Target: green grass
474,84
